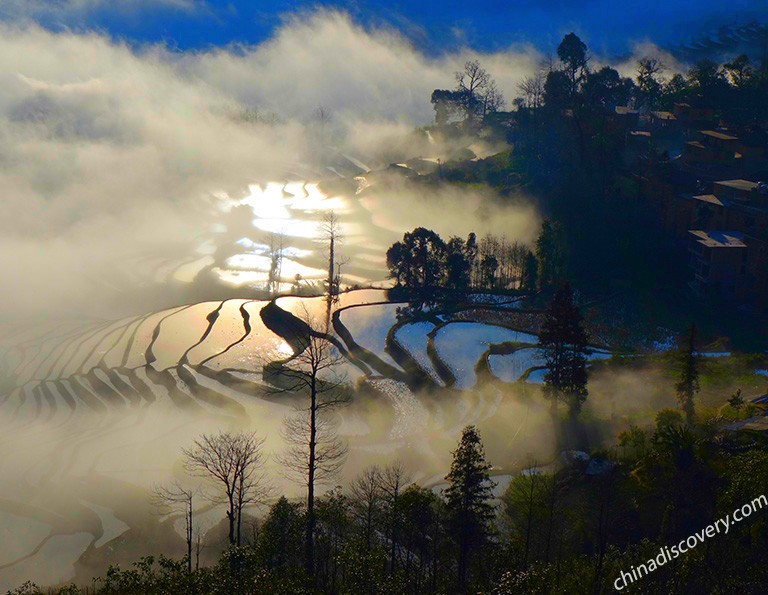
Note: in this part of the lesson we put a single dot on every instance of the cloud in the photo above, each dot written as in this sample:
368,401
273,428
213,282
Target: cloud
15,9
324,58
648,49
108,151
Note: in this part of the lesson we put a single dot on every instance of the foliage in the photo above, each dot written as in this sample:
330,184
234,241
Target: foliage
563,341
468,496
688,383
422,263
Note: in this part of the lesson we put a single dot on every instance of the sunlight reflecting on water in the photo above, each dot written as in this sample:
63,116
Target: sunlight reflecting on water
286,217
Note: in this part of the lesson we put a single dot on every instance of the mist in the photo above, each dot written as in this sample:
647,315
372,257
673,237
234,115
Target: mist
123,164
111,150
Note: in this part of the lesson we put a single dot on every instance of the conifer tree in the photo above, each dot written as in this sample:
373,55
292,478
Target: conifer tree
468,500
688,385
564,343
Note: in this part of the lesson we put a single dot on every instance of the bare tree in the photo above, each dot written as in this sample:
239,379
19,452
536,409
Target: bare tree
252,486
493,100
314,452
394,478
532,88
366,495
648,85
275,263
235,462
473,81
322,115
176,498
331,233
321,126
480,93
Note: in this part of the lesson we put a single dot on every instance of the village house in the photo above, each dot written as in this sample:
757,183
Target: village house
730,263
694,115
712,154
719,263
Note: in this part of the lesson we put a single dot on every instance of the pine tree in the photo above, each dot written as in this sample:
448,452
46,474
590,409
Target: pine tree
529,279
564,343
468,499
688,385
551,253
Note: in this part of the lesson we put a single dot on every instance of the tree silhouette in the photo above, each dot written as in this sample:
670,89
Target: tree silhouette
468,499
314,452
688,384
551,253
573,55
235,462
563,341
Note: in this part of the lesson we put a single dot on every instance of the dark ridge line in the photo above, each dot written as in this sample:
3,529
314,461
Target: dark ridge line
241,370
86,396
149,354
246,317
443,369
404,358
527,373
67,399
77,344
27,396
131,341
177,396
31,437
231,381
95,391
34,552
213,398
284,324
259,391
124,327
140,386
24,396
291,328
185,261
123,387
36,393
58,350
104,391
367,356
37,342
211,318
50,400
482,368
65,393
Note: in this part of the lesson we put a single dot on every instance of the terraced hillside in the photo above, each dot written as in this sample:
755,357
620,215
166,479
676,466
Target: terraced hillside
98,410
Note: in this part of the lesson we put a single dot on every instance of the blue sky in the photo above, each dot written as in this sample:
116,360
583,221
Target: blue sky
609,26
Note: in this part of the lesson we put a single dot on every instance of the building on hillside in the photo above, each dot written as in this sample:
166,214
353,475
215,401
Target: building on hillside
712,154
737,205
629,117
662,119
638,145
753,146
694,115
719,263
